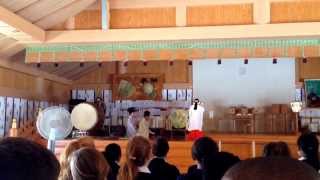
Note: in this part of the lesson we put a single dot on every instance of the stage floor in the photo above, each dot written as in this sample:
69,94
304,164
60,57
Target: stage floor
243,145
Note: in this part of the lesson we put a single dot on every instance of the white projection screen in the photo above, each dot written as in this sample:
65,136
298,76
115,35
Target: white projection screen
232,83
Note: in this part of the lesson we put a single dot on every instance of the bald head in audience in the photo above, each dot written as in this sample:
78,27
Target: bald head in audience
272,168
21,159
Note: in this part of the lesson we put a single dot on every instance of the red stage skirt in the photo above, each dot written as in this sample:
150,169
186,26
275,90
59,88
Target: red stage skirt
194,135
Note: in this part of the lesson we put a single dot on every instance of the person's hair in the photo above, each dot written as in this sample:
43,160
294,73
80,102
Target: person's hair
137,154
203,147
276,149
112,152
267,168
131,110
146,113
309,145
160,147
27,160
65,173
196,102
99,99
86,141
88,164
214,167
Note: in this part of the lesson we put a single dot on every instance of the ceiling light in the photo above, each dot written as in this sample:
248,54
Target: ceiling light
304,60
219,61
246,61
274,61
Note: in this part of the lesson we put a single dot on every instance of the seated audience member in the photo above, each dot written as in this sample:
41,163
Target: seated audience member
202,149
158,166
138,153
271,168
88,164
213,168
144,125
21,159
308,145
65,173
112,154
276,149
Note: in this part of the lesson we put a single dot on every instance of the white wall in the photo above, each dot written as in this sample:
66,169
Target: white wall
257,83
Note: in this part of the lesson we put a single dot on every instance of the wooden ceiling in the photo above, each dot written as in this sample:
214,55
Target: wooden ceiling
186,18
45,14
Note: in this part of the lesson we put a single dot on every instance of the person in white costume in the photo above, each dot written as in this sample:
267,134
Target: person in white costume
195,121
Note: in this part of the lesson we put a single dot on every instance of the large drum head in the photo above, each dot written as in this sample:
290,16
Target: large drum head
84,116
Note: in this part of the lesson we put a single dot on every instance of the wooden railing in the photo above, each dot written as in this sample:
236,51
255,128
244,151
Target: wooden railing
28,130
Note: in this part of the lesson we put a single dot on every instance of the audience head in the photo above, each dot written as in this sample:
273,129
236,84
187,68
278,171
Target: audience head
276,149
138,153
214,167
203,147
88,164
23,159
146,114
160,147
86,141
131,110
69,149
64,159
271,168
112,153
308,145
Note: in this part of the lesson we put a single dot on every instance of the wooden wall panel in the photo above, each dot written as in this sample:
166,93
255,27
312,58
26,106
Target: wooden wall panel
99,76
88,19
17,84
298,11
179,72
309,70
220,15
142,18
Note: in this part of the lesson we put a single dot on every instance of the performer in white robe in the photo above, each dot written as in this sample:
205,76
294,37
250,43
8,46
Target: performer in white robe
131,123
195,121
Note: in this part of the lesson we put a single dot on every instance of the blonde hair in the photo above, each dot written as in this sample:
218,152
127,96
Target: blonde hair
86,141
64,159
138,152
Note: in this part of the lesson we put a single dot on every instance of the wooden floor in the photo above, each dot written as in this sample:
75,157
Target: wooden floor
244,146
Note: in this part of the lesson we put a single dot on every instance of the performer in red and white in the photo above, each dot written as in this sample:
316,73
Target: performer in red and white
195,121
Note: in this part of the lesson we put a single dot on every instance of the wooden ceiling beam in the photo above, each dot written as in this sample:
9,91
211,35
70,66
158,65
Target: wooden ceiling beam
10,64
63,14
11,50
17,22
127,4
16,5
266,31
41,9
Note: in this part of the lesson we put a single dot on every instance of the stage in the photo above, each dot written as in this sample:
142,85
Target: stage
242,145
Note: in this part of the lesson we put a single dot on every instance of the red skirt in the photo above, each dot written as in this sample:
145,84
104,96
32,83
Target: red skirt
194,135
